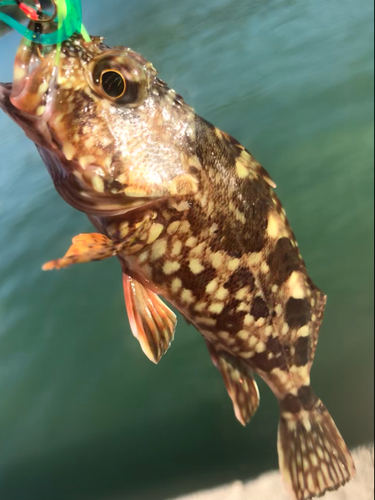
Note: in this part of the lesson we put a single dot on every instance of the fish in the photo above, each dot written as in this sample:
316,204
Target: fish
193,219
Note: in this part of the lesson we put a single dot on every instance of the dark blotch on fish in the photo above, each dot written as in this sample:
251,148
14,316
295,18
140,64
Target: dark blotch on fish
239,279
284,261
298,313
229,319
290,404
259,309
303,351
307,397
264,363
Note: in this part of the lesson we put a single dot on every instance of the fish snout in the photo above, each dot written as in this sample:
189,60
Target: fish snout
5,92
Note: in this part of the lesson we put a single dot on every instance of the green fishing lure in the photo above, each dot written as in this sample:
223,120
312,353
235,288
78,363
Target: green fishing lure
68,16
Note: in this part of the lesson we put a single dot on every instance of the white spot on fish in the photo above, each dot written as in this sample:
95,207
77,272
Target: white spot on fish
279,309
196,266
40,110
192,242
265,268
98,184
240,216
182,207
241,170
187,296
274,228
217,260
224,335
222,293
173,227
296,285
216,307
248,320
155,232
171,267
176,248
143,257
184,227
159,249
255,259
176,285
285,329
200,307
243,334
233,265
304,331
69,151
260,347
207,321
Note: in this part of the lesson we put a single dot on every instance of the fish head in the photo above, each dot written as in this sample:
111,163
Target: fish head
112,135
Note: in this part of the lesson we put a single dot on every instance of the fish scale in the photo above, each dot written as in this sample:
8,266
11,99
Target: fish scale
192,217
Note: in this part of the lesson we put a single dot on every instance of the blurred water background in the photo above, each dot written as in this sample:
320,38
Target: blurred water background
84,415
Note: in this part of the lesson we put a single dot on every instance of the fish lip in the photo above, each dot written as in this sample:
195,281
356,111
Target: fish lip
5,102
5,91
33,127
6,86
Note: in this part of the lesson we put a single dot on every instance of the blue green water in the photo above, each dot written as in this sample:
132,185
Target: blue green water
84,415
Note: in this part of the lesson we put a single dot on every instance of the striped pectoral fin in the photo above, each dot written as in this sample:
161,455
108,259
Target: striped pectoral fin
313,456
151,321
85,248
240,384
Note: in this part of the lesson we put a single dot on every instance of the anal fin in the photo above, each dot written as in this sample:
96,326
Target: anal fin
151,321
240,384
85,248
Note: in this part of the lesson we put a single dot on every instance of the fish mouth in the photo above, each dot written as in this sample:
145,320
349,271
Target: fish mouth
28,123
5,86
5,92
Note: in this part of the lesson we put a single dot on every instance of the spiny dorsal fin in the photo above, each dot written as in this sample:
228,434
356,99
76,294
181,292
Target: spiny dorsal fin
151,321
240,384
245,162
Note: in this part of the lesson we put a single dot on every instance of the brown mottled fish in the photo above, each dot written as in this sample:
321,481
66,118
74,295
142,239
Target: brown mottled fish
192,217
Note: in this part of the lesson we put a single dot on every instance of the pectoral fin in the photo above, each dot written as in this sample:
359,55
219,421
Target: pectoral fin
240,384
151,321
85,248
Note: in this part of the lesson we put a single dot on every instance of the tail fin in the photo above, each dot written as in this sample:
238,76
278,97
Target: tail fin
313,456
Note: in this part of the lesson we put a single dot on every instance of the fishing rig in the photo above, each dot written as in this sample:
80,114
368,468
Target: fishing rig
66,13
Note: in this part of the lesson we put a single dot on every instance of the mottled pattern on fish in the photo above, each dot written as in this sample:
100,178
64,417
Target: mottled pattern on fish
193,217
227,258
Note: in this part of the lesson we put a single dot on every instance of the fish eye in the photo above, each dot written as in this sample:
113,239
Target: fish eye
118,78
113,83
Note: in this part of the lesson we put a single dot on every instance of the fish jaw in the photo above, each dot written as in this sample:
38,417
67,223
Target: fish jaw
33,126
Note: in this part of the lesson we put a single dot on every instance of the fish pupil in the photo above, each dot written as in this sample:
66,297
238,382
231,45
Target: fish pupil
113,84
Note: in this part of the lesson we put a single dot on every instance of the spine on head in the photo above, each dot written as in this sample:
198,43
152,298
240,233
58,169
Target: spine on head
313,456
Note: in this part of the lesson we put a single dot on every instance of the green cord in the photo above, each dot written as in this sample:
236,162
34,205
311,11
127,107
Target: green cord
69,22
